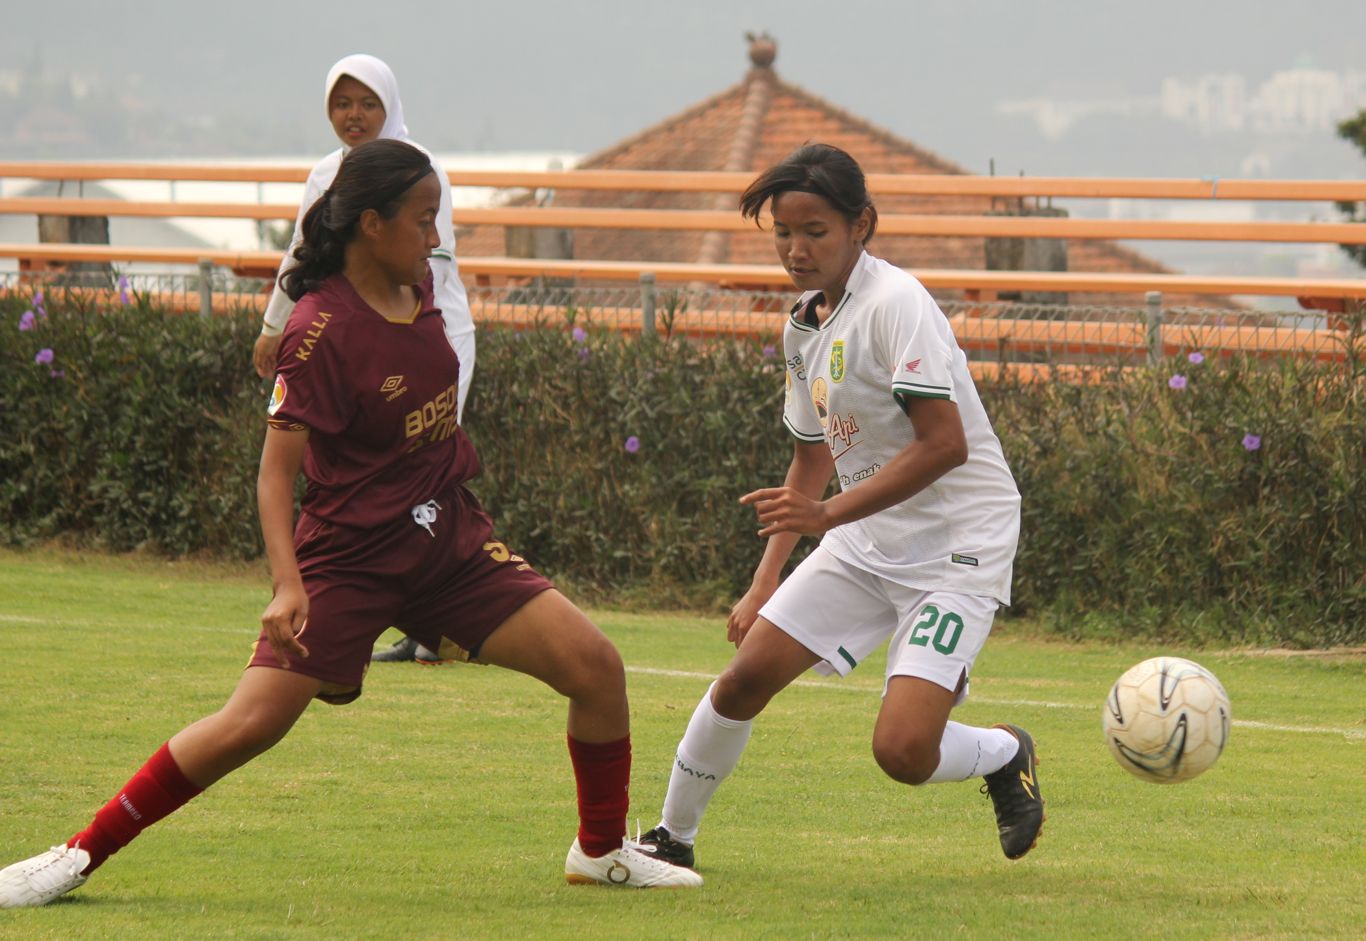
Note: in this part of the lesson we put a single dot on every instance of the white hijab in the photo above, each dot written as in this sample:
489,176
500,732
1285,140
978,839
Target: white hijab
379,78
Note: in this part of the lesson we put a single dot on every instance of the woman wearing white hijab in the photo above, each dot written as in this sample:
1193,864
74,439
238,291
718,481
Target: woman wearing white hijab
361,101
362,104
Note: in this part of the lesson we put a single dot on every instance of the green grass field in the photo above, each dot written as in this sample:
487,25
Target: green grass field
440,805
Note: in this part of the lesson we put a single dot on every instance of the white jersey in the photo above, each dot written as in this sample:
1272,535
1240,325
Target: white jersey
887,340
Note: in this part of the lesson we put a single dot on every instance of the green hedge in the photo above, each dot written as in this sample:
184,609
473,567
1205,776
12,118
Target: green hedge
616,465
139,432
1208,501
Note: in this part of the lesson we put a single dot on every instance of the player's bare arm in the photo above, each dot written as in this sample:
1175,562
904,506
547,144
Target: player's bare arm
939,446
809,475
285,616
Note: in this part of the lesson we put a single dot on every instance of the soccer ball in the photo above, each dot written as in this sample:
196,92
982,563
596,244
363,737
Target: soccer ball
1166,720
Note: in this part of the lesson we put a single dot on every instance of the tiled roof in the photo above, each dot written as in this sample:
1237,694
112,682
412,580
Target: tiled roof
704,137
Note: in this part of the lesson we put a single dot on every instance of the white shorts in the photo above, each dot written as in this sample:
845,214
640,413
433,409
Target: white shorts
843,614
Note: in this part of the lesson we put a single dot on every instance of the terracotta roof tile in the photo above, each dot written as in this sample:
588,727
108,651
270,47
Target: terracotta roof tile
700,137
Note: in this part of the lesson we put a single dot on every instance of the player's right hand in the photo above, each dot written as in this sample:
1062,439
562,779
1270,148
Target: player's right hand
745,612
265,353
284,621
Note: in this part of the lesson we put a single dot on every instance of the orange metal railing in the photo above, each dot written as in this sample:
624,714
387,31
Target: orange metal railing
682,220
983,334
704,181
1001,337
976,283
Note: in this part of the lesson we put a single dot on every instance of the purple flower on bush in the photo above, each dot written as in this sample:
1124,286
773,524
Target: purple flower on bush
582,353
770,351
44,356
27,321
1252,442
1197,357
632,444
579,334
58,374
1177,381
38,302
123,289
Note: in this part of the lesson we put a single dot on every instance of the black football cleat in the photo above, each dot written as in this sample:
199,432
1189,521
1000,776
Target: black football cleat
1015,795
403,650
661,845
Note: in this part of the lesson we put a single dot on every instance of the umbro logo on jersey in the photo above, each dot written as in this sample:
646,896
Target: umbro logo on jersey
913,366
394,387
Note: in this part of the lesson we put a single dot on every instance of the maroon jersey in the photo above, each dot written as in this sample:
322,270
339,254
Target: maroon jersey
378,399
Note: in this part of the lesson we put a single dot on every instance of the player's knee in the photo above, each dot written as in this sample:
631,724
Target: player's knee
596,670
906,759
740,692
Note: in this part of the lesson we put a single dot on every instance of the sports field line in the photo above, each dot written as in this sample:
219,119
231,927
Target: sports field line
1356,734
847,686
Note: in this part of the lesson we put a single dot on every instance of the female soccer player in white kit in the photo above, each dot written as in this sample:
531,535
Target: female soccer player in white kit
919,540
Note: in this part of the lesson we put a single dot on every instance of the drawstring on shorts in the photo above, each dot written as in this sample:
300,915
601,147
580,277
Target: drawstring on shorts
424,515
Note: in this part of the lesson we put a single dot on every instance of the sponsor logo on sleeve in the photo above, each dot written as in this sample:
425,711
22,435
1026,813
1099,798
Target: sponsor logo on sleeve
312,335
820,398
913,366
277,395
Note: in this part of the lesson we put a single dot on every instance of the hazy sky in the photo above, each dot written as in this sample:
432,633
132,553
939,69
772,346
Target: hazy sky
551,75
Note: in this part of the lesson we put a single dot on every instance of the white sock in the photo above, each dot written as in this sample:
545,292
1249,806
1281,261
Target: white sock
710,750
967,752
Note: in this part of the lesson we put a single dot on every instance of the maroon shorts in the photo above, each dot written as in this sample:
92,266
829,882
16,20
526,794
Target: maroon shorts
448,583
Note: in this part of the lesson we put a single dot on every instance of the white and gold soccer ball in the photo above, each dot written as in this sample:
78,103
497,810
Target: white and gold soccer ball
1166,720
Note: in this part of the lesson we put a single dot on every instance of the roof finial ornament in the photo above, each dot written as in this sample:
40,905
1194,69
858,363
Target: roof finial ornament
762,50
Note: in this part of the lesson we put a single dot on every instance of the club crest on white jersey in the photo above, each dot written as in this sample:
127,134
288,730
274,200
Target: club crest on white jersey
837,361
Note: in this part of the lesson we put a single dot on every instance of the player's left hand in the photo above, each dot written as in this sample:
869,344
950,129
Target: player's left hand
264,353
785,510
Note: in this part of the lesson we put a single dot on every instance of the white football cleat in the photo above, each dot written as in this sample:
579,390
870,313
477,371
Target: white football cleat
43,878
626,867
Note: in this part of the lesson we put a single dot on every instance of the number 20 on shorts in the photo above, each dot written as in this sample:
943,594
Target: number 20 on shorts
940,630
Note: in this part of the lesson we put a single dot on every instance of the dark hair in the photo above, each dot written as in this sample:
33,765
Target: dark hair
375,175
814,168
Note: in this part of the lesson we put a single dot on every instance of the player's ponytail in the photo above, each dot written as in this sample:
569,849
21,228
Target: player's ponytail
374,176
814,168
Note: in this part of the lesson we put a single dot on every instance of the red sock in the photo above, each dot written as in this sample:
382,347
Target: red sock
158,789
602,774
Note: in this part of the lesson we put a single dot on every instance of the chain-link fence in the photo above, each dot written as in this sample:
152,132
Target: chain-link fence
989,331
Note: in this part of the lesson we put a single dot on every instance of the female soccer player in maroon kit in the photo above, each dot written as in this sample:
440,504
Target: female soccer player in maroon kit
365,405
